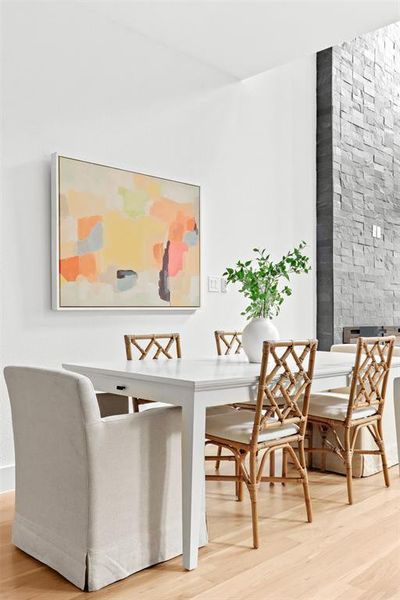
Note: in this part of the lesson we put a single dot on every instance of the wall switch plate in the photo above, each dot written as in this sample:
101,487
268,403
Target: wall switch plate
376,231
224,285
214,284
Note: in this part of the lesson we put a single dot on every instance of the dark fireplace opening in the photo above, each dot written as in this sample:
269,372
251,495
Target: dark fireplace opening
350,334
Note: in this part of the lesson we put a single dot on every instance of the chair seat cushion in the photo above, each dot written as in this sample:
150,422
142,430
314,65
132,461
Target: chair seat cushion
238,427
219,410
333,405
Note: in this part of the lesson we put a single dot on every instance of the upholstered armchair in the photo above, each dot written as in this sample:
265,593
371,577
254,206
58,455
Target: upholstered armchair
97,499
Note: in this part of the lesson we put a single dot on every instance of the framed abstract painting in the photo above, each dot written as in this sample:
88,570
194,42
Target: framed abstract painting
123,240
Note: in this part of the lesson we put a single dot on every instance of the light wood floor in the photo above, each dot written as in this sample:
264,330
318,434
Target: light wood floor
347,553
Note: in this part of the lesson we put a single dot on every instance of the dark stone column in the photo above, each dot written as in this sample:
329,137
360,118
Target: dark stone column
358,184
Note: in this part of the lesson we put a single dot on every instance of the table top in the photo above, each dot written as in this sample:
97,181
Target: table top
204,372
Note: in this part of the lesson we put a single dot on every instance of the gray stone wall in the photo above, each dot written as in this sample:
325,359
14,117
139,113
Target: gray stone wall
364,178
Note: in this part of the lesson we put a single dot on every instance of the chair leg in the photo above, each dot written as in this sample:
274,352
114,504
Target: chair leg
252,485
218,462
310,444
306,486
349,464
272,466
285,458
239,482
324,433
381,445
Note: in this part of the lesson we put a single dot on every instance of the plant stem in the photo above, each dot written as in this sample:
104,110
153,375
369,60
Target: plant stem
265,300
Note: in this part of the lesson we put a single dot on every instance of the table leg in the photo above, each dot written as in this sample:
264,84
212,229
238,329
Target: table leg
193,484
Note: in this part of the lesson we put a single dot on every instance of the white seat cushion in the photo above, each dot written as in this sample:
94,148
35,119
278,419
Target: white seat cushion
352,348
333,405
238,427
219,410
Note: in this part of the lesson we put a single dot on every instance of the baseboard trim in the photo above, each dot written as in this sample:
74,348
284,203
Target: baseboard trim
7,478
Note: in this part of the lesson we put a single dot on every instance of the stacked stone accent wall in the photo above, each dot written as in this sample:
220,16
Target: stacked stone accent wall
358,184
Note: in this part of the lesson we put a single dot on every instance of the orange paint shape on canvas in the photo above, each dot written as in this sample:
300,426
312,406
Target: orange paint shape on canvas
169,211
176,231
84,265
69,268
191,224
158,251
86,224
87,266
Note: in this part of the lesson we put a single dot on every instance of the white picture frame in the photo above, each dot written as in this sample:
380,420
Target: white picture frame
56,296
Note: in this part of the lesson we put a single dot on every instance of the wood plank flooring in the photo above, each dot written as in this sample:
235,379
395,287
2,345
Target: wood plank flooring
347,553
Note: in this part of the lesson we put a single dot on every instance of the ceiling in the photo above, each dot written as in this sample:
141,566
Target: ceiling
244,38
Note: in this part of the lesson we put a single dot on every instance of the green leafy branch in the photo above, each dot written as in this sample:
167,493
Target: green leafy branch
260,280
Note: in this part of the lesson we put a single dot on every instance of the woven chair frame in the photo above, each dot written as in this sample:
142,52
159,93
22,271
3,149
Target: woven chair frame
281,387
368,389
370,373
283,405
151,346
228,342
161,344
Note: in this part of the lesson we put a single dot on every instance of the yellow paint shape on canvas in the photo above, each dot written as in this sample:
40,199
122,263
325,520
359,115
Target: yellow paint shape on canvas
64,210
191,260
68,249
84,204
153,189
129,243
181,289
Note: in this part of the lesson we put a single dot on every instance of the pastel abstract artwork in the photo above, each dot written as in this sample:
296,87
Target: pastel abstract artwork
124,239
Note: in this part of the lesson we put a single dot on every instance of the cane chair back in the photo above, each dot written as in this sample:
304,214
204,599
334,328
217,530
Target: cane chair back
228,342
155,345
284,386
370,374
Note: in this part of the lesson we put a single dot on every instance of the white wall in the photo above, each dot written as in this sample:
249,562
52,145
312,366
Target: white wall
77,83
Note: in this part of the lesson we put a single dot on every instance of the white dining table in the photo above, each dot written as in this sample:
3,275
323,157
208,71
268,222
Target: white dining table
194,385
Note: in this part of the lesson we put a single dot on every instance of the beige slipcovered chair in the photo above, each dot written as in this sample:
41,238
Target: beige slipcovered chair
97,499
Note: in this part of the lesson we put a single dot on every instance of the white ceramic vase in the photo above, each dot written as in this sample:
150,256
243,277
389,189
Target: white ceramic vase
254,334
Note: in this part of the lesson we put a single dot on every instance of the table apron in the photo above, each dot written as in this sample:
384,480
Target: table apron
177,394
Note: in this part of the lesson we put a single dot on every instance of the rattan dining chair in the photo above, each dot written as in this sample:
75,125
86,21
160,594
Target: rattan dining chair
279,420
154,346
230,342
343,415
227,342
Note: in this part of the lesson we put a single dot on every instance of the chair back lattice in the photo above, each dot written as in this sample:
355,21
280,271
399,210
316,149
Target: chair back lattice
154,345
284,386
370,373
228,342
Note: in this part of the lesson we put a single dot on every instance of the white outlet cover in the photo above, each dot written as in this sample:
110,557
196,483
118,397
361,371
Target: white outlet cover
224,285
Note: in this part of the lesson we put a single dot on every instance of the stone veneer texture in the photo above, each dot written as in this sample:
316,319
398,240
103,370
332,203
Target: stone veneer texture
358,184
